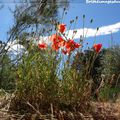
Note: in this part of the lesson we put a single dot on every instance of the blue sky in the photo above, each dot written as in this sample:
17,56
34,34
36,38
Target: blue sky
102,14
7,20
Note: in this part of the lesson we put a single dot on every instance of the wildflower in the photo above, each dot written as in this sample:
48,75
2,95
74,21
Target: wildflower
53,37
57,41
61,28
77,45
97,47
71,45
55,47
42,45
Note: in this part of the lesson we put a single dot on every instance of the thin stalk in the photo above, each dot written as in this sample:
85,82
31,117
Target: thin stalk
74,27
95,35
62,19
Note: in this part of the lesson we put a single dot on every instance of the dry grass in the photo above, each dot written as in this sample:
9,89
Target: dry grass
106,110
99,111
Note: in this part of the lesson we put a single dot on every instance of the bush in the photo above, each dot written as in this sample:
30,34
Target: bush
7,73
42,82
111,65
37,80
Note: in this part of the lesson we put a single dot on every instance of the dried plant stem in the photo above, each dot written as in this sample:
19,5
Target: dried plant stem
38,112
52,114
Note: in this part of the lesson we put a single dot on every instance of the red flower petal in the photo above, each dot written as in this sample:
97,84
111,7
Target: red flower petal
55,47
61,28
71,45
42,45
97,47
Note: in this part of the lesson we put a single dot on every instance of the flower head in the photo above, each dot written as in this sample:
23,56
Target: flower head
57,41
53,37
97,47
55,47
61,28
71,45
42,45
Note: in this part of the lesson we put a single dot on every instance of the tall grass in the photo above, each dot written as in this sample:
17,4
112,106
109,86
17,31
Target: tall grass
41,82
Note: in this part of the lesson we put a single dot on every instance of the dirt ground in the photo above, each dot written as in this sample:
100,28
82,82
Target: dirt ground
106,111
100,111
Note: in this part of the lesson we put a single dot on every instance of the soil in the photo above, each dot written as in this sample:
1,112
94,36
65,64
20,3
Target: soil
99,111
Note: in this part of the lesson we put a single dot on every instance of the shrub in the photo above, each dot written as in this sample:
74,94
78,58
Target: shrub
111,65
7,73
42,82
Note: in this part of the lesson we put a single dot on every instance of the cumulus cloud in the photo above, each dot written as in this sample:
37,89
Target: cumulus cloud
90,32
14,47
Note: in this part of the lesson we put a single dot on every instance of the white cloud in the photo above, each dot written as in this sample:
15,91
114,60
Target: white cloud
90,32
14,47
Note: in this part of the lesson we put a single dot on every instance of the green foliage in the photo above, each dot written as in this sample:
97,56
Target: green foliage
7,73
36,17
37,80
111,71
112,62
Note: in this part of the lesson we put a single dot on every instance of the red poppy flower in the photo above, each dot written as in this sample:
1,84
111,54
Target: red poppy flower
53,37
61,28
61,43
77,45
58,41
56,38
55,47
97,47
42,45
71,45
